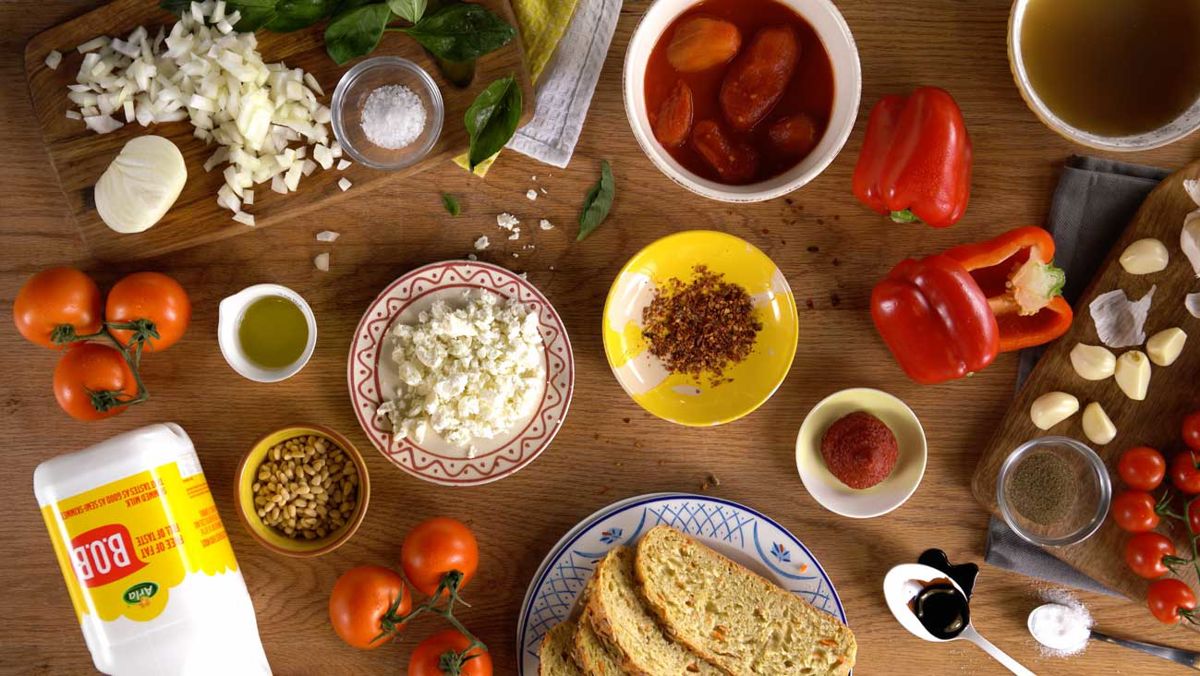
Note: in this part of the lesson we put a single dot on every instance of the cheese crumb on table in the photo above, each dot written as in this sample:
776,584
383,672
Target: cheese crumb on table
532,195
507,221
545,224
482,243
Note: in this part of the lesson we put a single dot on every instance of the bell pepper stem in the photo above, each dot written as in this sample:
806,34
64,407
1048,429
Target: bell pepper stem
905,216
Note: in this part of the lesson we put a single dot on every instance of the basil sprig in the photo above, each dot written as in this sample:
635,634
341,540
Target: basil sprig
597,203
493,118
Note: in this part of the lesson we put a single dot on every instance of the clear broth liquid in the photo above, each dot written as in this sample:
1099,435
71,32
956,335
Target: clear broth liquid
1114,67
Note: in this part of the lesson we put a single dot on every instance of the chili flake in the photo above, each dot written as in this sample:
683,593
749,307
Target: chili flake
702,326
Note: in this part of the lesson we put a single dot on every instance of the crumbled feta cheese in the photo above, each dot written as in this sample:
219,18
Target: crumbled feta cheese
545,224
516,234
471,372
507,221
472,257
482,243
531,195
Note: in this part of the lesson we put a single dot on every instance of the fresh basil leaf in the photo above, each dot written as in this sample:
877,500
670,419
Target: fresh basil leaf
409,10
356,32
292,15
493,118
598,202
462,32
451,203
254,13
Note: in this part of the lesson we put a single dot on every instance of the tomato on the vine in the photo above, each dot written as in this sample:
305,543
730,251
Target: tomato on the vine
93,381
1142,468
1191,430
1192,514
436,547
1185,473
1134,511
62,302
154,298
445,654
1145,554
365,603
1171,600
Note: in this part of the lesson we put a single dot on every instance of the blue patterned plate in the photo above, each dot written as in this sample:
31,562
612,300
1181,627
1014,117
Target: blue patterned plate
736,531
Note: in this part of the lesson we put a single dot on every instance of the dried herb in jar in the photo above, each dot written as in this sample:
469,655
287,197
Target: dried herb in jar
701,326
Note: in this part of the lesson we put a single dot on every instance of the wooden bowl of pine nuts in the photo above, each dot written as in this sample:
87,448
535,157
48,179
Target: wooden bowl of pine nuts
302,490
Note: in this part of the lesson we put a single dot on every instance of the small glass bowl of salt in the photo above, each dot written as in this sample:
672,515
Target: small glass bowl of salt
387,113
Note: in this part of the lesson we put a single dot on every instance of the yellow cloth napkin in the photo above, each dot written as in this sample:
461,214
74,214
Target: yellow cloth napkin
542,24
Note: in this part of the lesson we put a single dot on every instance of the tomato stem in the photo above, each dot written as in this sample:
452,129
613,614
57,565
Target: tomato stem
447,591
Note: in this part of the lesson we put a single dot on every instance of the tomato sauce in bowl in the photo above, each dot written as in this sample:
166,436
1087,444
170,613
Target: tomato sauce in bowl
752,146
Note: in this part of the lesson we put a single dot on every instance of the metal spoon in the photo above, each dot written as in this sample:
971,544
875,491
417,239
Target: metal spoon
1188,658
904,582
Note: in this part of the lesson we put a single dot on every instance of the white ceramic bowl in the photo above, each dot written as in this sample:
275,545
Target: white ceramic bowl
885,496
829,25
1178,128
230,315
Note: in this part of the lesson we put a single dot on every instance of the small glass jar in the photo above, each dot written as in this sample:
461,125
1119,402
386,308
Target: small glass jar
1079,505
350,97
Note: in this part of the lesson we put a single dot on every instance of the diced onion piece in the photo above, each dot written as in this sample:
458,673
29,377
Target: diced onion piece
342,165
308,167
74,115
247,197
141,184
323,156
292,178
344,183
243,217
322,262
102,124
327,236
53,59
92,45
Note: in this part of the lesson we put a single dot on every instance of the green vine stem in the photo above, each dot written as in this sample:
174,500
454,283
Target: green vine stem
144,330
441,603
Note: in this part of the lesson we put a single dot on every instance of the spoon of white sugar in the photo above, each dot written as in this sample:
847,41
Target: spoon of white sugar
1066,629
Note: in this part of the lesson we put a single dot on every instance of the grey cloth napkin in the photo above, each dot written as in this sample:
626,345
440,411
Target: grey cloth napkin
1094,201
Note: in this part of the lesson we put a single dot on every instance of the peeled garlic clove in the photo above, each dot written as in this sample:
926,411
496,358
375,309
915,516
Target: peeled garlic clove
1052,408
1165,346
1093,362
1133,374
1189,240
141,184
1097,426
1145,256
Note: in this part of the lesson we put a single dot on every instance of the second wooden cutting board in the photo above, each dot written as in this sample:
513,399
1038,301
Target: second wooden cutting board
1154,422
79,155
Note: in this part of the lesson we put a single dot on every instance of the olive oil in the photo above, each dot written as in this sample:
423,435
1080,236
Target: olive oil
273,332
1113,67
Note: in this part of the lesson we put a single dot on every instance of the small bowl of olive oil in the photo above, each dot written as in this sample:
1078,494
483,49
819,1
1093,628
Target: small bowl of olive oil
267,332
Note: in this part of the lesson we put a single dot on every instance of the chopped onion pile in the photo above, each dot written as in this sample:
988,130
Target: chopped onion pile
205,72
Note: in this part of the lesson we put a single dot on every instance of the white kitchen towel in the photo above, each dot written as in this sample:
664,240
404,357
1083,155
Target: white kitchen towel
565,88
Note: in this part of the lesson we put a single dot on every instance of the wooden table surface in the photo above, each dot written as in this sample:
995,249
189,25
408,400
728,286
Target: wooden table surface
830,248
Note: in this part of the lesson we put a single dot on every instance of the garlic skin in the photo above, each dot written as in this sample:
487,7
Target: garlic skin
1189,240
1097,426
1133,374
1165,346
141,184
1145,256
1093,362
1052,408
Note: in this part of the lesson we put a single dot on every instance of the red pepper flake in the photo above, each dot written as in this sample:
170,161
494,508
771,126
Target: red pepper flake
702,326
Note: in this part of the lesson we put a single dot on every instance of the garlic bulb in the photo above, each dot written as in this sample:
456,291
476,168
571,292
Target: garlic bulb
141,184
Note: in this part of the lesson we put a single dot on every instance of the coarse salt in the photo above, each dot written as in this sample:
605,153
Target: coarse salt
393,117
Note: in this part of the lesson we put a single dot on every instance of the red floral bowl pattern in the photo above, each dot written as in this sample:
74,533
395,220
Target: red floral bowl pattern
494,459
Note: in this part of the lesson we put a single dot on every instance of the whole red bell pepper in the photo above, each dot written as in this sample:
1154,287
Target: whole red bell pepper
935,319
915,162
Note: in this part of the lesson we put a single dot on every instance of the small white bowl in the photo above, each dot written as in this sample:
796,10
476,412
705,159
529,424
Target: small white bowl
230,317
889,494
835,34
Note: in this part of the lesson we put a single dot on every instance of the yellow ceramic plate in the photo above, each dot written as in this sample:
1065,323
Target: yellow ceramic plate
679,398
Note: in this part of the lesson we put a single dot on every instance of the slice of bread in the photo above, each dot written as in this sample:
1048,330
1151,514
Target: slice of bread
594,657
622,619
733,618
554,655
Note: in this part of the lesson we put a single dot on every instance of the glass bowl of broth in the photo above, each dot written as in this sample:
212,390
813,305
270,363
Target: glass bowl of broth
1119,75
266,332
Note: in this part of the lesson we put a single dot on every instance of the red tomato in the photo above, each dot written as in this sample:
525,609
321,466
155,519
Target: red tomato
1185,472
1191,430
1142,468
1145,552
426,659
1193,516
150,296
436,547
91,379
360,607
1134,511
1170,600
58,297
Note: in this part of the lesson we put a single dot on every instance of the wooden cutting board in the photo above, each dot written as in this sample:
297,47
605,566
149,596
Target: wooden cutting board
79,155
1154,422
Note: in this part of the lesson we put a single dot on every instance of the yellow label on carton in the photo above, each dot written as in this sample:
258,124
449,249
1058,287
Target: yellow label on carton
124,545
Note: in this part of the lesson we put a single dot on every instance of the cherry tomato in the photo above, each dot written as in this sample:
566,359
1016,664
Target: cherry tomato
426,659
154,297
57,297
1142,468
1145,552
1170,600
1193,515
1184,471
436,547
1191,430
1134,511
90,379
360,607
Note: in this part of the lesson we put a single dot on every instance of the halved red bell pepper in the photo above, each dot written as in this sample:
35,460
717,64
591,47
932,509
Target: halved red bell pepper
915,162
1016,273
935,319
